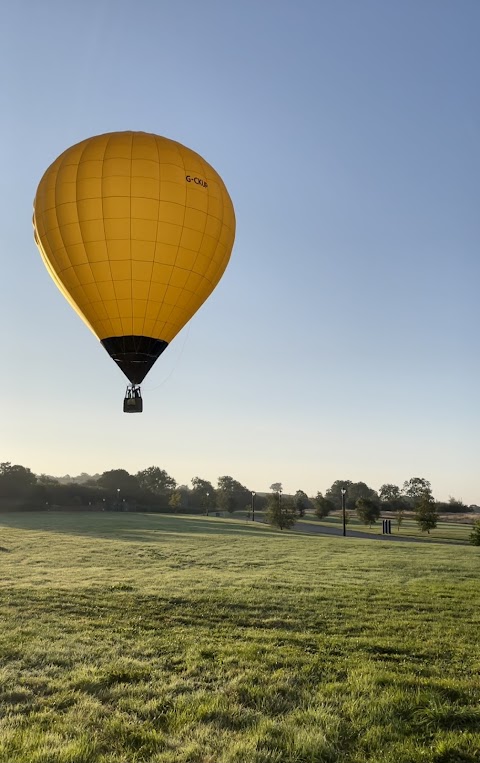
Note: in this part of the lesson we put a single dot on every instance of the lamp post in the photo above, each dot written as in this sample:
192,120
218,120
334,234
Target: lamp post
253,505
343,492
207,506
118,499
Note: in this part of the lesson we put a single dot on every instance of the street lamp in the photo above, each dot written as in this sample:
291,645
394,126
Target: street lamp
118,499
253,505
343,492
207,506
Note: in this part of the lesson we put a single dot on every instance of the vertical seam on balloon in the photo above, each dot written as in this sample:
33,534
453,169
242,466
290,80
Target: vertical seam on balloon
130,241
80,158
60,163
181,234
178,248
104,229
203,162
155,140
195,293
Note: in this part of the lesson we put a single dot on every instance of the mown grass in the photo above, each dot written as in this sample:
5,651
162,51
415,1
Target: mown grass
128,638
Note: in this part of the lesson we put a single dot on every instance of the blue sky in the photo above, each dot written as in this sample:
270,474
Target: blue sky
342,342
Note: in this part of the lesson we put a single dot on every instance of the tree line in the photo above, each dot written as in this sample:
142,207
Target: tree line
153,489
415,496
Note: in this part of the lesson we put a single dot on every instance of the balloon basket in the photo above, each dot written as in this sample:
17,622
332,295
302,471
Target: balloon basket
133,402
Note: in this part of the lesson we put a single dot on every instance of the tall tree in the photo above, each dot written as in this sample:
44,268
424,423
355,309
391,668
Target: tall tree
334,492
355,490
16,481
389,493
185,497
276,487
400,506
203,495
323,506
415,488
426,514
280,511
360,490
156,480
301,502
175,500
368,510
231,494
118,480
474,536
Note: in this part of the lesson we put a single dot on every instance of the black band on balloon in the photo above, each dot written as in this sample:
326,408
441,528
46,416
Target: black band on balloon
135,355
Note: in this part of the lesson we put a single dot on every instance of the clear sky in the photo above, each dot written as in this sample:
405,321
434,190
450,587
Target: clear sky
343,340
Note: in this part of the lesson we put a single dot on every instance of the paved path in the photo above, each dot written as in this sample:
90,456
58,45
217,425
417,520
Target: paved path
308,527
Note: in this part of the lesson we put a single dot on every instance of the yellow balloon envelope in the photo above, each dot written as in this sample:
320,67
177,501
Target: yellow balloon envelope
136,230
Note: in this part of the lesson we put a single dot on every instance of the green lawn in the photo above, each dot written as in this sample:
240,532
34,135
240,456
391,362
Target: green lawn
128,638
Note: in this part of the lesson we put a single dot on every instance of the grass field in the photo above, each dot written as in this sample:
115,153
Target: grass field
128,638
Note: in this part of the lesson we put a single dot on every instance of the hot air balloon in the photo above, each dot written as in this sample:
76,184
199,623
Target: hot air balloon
136,231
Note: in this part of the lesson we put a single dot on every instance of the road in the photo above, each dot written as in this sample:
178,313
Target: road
308,527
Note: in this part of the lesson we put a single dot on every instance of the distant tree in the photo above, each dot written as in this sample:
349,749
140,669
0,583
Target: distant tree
415,488
156,480
355,490
301,502
360,490
231,494
334,492
118,479
400,508
91,481
185,497
175,500
426,512
16,481
280,511
389,493
84,479
475,534
391,499
455,505
452,506
46,480
227,501
368,510
261,502
204,494
45,492
276,487
323,506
